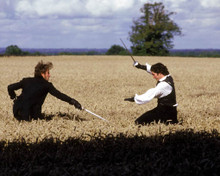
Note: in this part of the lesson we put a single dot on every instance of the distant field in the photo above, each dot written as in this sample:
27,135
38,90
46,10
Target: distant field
100,84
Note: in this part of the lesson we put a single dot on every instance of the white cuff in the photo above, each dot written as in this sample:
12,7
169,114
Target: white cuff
148,68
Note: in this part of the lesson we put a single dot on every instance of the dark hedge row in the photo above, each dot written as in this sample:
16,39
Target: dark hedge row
181,153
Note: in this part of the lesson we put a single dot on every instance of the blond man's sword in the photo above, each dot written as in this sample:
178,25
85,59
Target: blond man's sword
94,114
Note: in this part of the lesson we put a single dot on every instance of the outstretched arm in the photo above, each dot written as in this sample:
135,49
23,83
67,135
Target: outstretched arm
53,91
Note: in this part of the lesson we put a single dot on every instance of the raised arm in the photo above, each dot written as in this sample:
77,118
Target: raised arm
146,67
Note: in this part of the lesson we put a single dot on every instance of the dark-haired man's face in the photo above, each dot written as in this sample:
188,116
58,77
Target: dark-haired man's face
157,76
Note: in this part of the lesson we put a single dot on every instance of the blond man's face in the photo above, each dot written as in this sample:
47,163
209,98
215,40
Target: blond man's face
46,75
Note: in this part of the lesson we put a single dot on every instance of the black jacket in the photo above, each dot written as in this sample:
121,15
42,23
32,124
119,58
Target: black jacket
31,99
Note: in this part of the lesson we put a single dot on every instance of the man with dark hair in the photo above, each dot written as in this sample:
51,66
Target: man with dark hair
166,110
28,104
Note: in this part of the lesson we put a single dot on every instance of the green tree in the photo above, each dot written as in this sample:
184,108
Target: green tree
13,50
153,32
116,50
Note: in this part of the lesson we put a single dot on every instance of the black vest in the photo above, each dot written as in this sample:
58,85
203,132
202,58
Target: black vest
170,99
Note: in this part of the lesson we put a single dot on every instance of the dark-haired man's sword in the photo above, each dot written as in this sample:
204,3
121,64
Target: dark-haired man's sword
129,52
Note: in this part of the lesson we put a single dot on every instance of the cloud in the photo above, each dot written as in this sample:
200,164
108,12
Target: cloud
100,23
210,3
2,15
44,8
106,7
71,8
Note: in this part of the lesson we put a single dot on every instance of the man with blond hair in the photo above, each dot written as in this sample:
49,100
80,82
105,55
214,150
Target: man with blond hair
28,104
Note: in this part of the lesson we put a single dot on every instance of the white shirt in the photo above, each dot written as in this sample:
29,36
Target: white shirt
161,90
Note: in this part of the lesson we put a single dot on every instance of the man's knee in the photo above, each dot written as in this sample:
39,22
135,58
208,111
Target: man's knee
17,113
137,122
142,121
173,121
18,117
36,112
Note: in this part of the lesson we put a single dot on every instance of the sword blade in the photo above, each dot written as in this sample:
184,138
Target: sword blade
127,50
94,114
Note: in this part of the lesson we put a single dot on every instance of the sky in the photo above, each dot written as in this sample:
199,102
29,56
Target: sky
101,23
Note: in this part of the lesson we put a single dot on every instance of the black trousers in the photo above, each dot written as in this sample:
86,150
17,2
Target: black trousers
164,114
26,113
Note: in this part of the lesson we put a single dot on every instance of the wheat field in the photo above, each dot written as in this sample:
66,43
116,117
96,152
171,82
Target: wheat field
100,84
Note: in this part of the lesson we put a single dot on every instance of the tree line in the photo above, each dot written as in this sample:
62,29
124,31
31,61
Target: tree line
14,50
151,35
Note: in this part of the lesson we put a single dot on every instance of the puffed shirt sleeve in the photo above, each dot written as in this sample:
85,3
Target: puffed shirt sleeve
148,66
161,90
146,97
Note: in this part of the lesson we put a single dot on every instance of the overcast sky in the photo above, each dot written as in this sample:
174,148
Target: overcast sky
101,23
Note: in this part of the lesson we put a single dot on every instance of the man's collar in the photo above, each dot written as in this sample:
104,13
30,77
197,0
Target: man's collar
162,79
